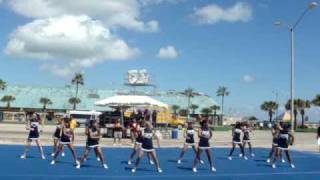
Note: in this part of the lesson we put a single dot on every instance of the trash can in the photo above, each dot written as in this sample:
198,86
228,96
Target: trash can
174,134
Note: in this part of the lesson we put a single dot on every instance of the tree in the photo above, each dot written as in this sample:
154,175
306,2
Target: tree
3,85
295,110
175,109
270,107
190,94
215,108
206,111
252,118
194,107
77,81
45,102
8,99
222,92
183,112
74,101
302,106
316,100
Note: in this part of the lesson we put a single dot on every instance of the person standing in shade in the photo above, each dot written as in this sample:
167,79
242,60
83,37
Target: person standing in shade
117,132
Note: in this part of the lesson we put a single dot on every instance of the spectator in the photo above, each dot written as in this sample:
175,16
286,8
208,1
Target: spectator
117,132
318,137
154,118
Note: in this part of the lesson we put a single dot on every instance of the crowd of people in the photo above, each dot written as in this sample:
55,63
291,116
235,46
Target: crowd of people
143,133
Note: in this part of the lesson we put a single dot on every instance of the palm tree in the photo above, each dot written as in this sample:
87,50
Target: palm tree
45,102
194,107
190,94
8,99
175,109
77,80
295,110
222,91
74,101
302,106
215,108
206,111
270,107
3,85
316,100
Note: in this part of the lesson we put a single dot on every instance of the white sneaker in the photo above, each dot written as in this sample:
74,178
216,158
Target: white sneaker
105,166
268,160
230,158
179,161
78,166
213,169
52,154
43,157
194,170
85,159
283,161
23,156
201,162
245,158
129,162
159,170
63,154
240,155
98,159
133,170
273,166
253,155
151,162
292,166
53,162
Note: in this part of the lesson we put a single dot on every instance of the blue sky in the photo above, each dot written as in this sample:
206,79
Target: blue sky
240,49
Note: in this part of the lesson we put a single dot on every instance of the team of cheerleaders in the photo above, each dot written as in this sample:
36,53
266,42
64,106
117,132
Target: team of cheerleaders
144,134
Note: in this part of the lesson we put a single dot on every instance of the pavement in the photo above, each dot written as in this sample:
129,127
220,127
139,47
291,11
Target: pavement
16,134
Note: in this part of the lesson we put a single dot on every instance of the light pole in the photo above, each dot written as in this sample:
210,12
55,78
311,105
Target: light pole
291,28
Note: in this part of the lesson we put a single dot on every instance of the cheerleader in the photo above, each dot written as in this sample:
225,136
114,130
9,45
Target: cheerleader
147,146
284,141
275,135
117,132
236,140
93,136
67,138
205,134
189,142
246,138
56,137
32,126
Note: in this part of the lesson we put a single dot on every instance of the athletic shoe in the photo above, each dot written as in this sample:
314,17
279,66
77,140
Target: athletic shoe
52,154
201,162
283,161
245,158
159,170
78,166
133,170
98,159
240,155
105,166
194,170
292,166
213,169
179,161
151,162
43,157
129,162
273,166
268,160
230,158
53,162
253,155
23,156
63,154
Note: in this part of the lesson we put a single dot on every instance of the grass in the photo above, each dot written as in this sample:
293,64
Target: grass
222,128
308,130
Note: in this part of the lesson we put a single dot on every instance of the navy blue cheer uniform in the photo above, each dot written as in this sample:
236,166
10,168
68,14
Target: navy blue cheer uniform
283,140
204,138
275,139
246,135
92,142
57,132
237,136
34,129
190,137
147,144
139,139
66,136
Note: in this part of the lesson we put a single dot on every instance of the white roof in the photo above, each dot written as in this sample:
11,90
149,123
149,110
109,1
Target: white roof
130,100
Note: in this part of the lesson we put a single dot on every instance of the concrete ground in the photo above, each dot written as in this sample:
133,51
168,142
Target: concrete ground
16,134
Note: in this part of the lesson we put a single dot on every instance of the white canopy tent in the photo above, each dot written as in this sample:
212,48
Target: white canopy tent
123,101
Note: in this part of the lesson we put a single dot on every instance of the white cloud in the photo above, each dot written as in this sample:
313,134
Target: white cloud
70,42
151,2
114,14
249,78
168,52
213,13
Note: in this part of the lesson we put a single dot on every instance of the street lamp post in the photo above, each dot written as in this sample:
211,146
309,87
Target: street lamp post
311,6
